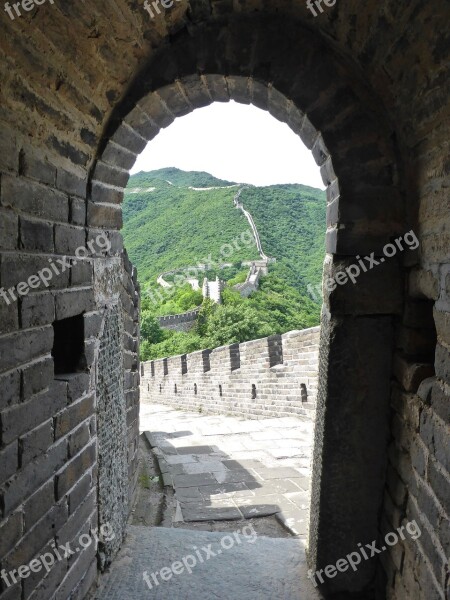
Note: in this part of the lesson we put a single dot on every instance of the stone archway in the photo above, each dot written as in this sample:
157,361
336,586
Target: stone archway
328,105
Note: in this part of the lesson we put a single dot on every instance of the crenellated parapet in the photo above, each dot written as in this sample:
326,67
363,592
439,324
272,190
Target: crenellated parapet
274,376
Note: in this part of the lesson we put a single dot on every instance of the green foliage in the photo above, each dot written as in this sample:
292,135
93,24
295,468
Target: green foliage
170,226
150,329
173,226
207,310
234,323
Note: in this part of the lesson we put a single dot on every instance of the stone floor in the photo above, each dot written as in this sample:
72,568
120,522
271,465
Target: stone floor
242,567
224,468
230,473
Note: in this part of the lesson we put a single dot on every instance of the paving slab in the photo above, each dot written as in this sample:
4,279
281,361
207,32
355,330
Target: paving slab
245,567
253,467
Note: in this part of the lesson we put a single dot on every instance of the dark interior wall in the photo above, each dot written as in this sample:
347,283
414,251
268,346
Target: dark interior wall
371,78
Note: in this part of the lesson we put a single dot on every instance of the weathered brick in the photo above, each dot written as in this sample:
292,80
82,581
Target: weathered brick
36,442
9,316
35,199
26,417
33,476
37,310
36,235
73,302
9,230
19,268
37,377
104,215
79,492
79,439
19,348
72,416
77,211
38,504
9,461
11,531
36,538
442,363
10,386
74,470
68,239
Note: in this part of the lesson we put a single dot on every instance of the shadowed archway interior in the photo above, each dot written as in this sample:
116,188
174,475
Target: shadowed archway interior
83,91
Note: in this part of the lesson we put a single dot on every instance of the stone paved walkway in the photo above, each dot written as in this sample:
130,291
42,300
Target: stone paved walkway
251,568
224,468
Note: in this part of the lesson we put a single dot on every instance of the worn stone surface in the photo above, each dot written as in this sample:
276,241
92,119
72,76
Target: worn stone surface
225,468
238,572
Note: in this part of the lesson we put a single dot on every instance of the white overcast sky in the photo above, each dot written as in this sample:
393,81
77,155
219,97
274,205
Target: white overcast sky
235,142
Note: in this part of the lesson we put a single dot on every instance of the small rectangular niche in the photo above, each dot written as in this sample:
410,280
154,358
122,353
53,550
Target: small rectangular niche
206,360
68,345
275,345
235,357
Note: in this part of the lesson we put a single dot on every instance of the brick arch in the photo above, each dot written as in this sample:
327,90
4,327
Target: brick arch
303,82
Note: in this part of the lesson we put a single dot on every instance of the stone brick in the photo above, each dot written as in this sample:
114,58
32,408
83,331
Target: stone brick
442,320
73,302
79,439
77,211
19,348
19,268
71,183
68,239
36,235
9,230
35,539
11,531
82,273
80,492
104,215
35,199
26,417
9,461
74,470
36,442
34,167
442,363
37,310
38,504
37,377
72,416
411,374
9,316
10,386
33,476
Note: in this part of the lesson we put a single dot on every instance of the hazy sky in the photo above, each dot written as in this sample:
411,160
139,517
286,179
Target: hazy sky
235,142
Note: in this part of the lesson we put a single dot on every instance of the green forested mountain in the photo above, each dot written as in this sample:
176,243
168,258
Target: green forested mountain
169,224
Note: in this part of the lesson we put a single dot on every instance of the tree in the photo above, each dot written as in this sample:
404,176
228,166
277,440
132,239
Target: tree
151,332
231,324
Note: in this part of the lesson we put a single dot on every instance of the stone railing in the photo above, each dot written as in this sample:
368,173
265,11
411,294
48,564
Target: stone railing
275,376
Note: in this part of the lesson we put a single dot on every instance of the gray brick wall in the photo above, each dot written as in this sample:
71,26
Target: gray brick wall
241,380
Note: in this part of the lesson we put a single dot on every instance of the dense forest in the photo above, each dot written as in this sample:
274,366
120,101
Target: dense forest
174,220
